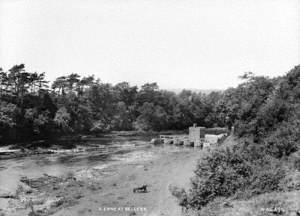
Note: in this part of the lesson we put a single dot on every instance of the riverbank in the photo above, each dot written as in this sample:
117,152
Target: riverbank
108,189
158,173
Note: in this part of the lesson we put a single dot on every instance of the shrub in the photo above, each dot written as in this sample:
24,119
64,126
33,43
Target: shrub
216,130
283,141
291,181
297,163
266,179
221,173
294,161
180,194
232,171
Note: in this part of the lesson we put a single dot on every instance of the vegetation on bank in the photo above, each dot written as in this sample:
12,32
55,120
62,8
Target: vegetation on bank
32,109
266,116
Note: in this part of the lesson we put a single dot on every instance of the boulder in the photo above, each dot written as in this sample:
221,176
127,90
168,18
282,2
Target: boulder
186,143
178,142
168,141
198,143
156,141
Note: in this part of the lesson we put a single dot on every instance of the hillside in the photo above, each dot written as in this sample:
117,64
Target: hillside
256,171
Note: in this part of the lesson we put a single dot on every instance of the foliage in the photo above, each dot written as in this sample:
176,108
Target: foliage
76,104
232,171
62,119
260,107
265,112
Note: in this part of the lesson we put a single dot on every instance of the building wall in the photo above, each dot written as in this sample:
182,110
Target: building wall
196,133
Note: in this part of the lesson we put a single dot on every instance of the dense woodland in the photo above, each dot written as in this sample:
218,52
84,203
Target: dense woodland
33,109
265,155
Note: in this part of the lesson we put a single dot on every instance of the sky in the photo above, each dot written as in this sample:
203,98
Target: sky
192,44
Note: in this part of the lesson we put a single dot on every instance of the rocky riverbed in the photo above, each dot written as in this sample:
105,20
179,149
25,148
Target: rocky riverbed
98,180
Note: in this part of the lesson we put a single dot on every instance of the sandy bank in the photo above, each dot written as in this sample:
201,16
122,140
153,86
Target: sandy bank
168,168
112,194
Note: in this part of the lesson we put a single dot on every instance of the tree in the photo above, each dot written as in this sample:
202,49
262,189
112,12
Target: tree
151,118
62,119
60,85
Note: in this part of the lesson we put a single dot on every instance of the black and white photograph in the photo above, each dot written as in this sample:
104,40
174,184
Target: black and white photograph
149,108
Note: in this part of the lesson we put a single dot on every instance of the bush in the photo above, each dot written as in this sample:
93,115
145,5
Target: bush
294,160
283,141
180,194
266,179
216,130
297,163
232,171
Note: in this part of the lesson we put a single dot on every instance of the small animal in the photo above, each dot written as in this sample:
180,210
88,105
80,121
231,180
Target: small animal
142,189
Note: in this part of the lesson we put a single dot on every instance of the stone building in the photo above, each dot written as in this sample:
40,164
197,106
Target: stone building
196,135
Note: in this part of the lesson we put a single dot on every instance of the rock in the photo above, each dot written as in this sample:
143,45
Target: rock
227,205
168,141
77,196
94,186
156,141
178,142
8,196
187,143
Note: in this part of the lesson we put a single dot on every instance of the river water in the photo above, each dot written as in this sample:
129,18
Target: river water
85,161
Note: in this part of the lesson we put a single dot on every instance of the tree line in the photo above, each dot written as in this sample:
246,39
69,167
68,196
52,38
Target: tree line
32,109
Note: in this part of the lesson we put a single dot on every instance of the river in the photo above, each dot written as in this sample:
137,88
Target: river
94,154
127,161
